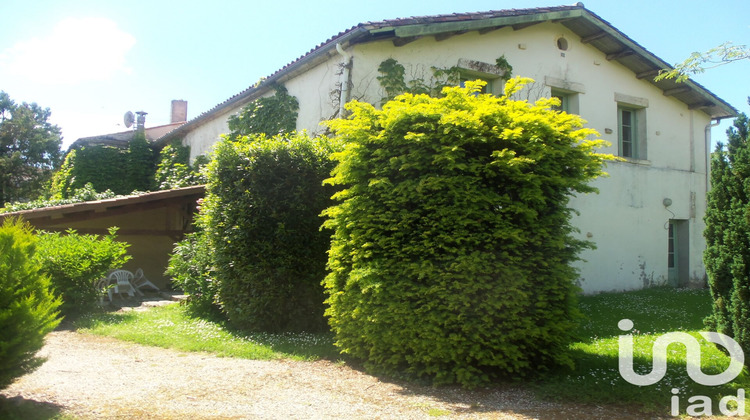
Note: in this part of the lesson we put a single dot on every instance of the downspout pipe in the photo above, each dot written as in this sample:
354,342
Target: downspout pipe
707,135
345,74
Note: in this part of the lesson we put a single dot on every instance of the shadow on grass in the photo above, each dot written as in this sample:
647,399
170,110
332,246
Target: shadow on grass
102,316
594,389
18,408
308,346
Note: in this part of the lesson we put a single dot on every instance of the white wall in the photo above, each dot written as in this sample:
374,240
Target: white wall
203,137
626,219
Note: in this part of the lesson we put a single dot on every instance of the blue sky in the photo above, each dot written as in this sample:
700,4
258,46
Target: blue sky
91,61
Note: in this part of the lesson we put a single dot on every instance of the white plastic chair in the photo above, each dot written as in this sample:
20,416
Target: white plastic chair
140,280
121,279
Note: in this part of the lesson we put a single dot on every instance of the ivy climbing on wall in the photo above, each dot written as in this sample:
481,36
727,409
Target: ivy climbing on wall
106,168
503,64
393,78
174,169
271,115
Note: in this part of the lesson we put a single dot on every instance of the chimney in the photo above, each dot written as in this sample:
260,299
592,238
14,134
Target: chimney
141,121
179,111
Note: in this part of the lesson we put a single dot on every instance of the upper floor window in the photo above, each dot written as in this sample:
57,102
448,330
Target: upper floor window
565,100
631,126
567,92
490,73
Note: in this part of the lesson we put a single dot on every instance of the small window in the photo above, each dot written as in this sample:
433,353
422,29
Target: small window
565,99
562,44
490,73
568,100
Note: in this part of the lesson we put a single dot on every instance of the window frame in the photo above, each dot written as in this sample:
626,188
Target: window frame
490,73
637,109
566,99
567,90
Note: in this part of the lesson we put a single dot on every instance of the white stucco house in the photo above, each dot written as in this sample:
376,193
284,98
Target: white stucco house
647,220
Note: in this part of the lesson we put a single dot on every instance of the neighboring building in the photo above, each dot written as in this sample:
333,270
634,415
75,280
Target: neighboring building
151,222
178,117
647,221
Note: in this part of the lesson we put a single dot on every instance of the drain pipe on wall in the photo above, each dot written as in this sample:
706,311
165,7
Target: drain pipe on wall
344,97
707,135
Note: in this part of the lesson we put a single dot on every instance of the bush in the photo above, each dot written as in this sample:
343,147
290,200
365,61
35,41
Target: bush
76,262
727,254
191,270
451,257
262,214
28,309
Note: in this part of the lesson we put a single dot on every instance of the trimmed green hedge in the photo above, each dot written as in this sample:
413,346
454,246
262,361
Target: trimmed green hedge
451,257
262,214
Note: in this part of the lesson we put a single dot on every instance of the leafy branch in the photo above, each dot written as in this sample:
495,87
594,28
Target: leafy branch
698,62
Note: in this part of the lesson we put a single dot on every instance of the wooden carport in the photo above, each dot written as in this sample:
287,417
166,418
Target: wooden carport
151,223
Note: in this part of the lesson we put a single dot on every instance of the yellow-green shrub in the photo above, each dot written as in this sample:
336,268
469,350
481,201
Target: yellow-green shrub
452,250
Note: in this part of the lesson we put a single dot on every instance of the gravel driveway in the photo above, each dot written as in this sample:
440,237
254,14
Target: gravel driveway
94,377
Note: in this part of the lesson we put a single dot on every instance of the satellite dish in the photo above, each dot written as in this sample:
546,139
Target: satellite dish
129,119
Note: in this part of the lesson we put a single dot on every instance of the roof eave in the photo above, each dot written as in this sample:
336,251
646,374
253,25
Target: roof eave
711,104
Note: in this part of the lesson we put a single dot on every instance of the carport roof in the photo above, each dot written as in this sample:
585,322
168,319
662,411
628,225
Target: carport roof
88,210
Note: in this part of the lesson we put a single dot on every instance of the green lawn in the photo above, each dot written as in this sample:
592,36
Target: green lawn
595,379
172,326
22,409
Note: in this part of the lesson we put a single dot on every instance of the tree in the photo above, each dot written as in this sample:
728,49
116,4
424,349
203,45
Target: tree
452,250
727,255
28,308
699,62
29,149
